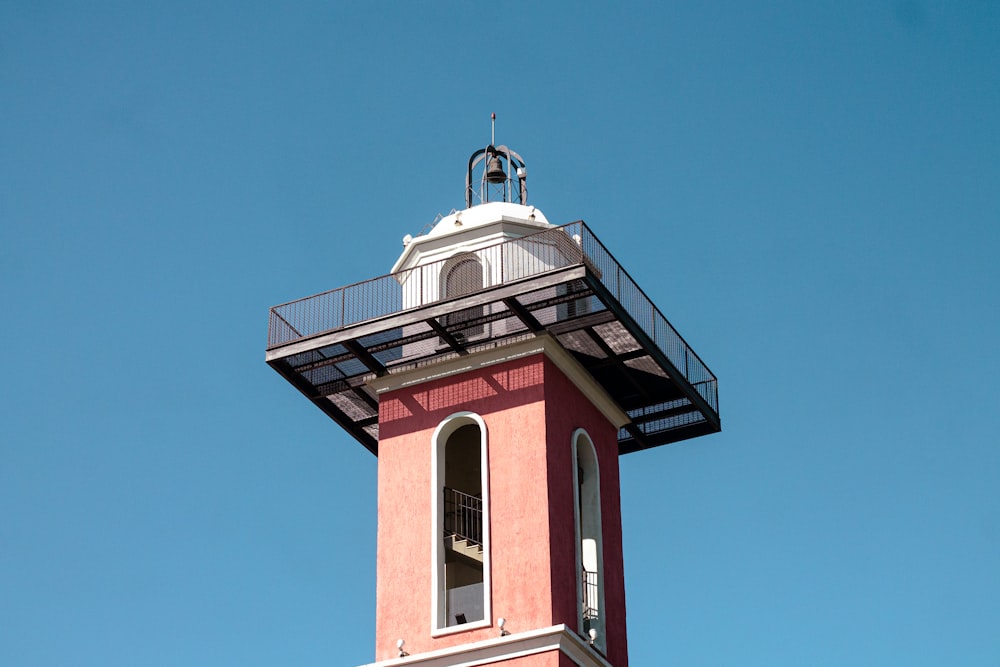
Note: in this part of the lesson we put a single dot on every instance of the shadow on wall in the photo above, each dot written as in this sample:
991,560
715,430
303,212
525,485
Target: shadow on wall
515,381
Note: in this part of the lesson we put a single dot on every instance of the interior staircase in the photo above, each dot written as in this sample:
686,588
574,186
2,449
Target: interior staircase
464,548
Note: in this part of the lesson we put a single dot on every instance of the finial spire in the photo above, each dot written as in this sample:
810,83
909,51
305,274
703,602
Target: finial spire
493,129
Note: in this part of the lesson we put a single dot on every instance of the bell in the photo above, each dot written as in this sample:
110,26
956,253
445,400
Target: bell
494,171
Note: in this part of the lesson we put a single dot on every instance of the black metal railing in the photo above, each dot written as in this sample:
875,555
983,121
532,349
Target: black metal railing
506,262
463,516
590,604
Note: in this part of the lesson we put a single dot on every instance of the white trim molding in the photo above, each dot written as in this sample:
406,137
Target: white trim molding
588,526
439,440
489,651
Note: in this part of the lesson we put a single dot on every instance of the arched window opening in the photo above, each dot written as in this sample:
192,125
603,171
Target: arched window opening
590,557
461,535
463,275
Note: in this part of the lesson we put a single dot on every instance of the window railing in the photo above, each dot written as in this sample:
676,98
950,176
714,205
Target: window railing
463,516
590,604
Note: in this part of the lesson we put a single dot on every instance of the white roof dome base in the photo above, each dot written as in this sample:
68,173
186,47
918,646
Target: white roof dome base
472,229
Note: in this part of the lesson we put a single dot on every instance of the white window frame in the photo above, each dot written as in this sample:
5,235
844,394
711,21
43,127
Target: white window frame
439,621
581,435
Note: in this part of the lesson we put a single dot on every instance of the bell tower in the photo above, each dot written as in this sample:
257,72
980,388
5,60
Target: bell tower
498,372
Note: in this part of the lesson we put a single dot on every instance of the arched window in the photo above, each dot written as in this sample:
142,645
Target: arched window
462,274
589,542
460,530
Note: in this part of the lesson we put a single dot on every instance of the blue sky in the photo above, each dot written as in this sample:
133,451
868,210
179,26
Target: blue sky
809,191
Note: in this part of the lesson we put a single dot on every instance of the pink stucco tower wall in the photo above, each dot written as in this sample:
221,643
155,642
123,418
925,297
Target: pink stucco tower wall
531,410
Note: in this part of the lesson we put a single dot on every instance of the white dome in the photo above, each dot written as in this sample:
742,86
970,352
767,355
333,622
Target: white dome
471,229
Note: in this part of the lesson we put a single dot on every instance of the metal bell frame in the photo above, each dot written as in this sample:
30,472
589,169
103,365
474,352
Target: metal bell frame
494,174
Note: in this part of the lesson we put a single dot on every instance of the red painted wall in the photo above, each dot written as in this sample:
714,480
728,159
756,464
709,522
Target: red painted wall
531,410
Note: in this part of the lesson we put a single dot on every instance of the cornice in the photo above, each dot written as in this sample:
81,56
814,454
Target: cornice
489,651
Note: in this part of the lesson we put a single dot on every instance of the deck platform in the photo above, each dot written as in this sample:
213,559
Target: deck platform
561,282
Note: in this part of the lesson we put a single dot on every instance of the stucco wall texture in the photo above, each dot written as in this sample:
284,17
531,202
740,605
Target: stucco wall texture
531,410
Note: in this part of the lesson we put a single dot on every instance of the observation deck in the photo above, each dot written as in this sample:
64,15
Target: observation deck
561,283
